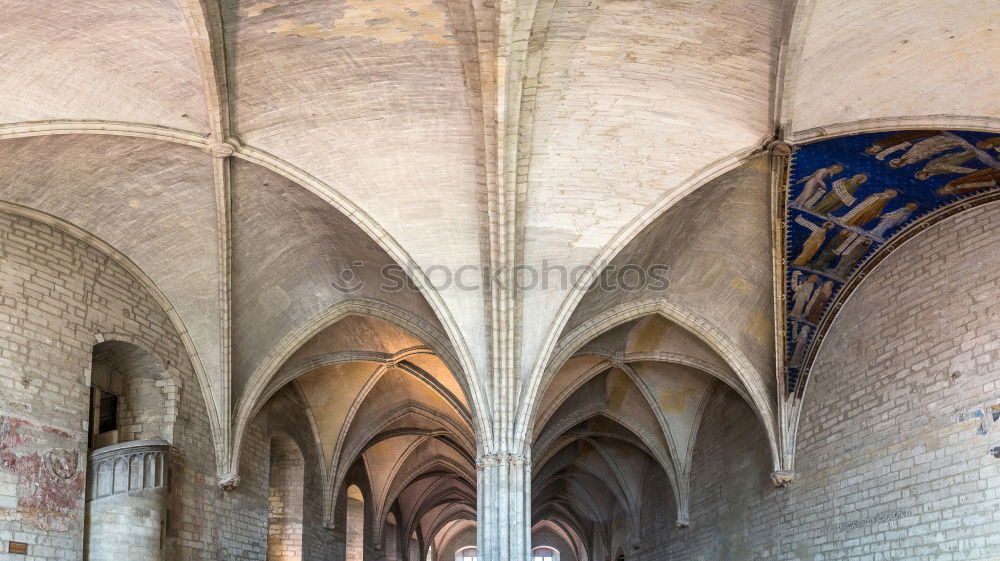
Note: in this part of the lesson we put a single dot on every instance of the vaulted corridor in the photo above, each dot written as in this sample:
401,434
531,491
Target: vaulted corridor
449,280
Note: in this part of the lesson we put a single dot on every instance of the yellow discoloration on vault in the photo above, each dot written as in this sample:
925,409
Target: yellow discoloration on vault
758,327
740,285
393,21
652,334
674,401
619,386
254,10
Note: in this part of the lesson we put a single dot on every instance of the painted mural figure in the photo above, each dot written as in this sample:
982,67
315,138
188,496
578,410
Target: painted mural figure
851,256
837,244
841,195
799,351
844,206
818,302
896,142
813,242
802,293
892,219
989,143
869,209
948,163
925,149
815,185
981,179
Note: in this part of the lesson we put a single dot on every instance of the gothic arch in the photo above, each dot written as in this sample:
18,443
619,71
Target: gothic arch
260,386
215,422
761,401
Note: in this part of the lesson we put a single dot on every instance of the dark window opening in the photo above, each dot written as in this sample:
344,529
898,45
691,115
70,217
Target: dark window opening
106,412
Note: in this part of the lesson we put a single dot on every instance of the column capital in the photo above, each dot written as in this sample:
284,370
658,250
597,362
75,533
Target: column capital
500,459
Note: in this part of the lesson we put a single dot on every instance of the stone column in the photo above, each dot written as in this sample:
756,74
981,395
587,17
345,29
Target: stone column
504,518
127,501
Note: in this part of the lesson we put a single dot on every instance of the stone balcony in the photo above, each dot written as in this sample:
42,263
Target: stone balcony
127,467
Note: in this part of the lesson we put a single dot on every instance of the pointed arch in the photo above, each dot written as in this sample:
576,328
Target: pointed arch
760,400
216,422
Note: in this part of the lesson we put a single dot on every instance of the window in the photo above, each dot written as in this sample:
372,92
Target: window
467,554
544,554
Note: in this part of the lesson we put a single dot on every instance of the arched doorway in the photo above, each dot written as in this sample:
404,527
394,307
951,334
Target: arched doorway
355,541
133,404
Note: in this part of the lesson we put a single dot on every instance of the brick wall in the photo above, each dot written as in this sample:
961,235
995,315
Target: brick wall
892,462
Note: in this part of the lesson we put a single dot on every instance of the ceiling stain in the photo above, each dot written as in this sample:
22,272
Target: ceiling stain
741,285
674,401
394,21
256,9
758,327
652,334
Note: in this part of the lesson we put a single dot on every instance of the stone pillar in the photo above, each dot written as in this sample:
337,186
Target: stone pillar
127,501
504,518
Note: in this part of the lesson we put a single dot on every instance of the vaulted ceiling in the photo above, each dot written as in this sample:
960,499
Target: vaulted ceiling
247,155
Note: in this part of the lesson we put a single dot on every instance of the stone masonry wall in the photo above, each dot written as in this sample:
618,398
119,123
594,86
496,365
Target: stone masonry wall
339,549
545,537
57,294
391,542
355,530
464,539
894,447
285,499
147,396
248,538
284,415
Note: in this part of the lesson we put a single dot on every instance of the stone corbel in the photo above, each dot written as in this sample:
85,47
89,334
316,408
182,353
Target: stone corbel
229,482
783,478
683,519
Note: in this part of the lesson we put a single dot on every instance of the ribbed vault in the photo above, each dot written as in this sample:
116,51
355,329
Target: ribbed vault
628,401
387,412
260,166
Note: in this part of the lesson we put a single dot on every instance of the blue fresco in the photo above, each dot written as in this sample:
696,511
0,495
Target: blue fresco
849,196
